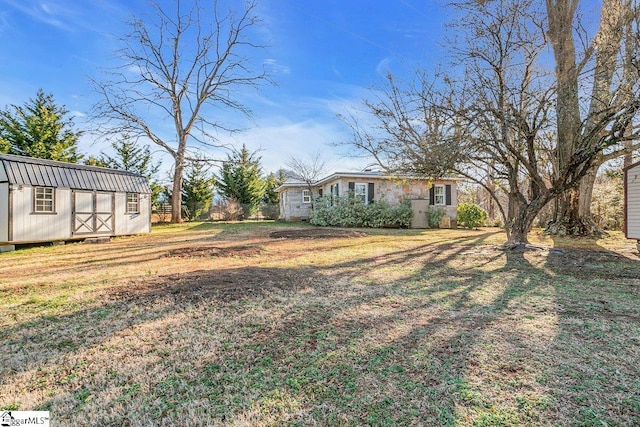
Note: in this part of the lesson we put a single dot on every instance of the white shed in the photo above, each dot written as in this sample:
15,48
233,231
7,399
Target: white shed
46,201
632,202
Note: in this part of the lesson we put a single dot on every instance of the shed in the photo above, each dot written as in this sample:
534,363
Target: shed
45,201
632,202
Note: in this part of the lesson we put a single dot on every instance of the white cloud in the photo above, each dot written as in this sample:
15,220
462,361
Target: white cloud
384,67
279,139
272,66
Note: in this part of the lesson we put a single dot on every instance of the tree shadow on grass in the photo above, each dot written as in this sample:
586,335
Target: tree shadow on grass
437,334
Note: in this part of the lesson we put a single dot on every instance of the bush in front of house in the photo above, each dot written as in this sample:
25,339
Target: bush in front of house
435,215
347,212
471,215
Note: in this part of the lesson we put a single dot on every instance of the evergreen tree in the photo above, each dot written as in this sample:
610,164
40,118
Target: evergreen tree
273,181
197,189
241,180
94,161
132,158
39,129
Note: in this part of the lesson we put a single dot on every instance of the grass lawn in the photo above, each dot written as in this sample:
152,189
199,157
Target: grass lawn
271,324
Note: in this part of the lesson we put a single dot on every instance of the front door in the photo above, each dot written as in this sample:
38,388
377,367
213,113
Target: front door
93,212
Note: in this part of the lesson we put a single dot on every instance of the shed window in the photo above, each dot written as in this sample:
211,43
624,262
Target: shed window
133,203
306,196
439,194
43,200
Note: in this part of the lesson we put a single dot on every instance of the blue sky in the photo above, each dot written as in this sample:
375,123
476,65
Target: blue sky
325,56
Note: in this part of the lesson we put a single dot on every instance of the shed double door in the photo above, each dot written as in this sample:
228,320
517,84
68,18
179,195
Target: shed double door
93,212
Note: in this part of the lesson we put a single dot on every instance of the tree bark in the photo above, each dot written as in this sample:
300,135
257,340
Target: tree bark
572,214
176,193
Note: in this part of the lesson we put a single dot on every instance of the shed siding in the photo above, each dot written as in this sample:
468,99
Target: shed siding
30,227
633,203
4,211
132,223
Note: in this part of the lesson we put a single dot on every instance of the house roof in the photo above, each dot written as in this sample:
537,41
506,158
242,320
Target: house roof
48,173
291,183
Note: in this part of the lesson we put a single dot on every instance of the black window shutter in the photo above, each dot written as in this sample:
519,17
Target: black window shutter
370,193
320,192
352,186
447,194
337,190
432,196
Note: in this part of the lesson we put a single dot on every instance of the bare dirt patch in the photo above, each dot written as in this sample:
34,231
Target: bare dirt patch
316,233
215,251
222,285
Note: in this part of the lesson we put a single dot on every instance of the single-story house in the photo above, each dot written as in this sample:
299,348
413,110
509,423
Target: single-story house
47,201
632,202
296,196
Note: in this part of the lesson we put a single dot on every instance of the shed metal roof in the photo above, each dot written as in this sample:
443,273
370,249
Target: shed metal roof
22,170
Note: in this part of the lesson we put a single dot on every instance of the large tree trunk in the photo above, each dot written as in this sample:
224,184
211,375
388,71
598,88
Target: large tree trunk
176,193
572,215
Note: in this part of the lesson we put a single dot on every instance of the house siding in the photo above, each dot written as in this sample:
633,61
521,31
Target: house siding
291,206
633,202
388,189
394,191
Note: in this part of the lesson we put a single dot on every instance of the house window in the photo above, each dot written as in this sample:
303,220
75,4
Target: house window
133,203
43,200
306,196
438,195
360,192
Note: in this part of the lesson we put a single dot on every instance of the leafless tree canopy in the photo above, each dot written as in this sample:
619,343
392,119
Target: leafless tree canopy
183,65
308,169
500,116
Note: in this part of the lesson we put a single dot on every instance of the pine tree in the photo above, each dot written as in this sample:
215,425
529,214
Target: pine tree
273,181
197,190
39,129
130,157
241,180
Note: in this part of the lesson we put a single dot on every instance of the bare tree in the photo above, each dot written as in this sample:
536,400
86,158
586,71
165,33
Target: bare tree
610,62
174,67
491,119
308,170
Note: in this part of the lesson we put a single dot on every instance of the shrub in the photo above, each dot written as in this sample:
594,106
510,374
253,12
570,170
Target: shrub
434,216
471,215
348,212
270,210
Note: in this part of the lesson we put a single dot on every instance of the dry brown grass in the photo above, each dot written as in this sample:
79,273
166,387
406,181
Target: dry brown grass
232,324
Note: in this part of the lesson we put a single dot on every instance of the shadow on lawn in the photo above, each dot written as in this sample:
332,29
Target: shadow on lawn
458,338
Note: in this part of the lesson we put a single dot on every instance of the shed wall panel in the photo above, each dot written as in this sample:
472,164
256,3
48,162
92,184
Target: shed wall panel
633,203
132,223
4,212
28,226
3,174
